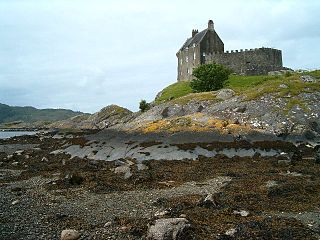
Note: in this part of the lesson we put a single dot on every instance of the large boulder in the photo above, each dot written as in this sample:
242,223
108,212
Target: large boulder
225,94
169,229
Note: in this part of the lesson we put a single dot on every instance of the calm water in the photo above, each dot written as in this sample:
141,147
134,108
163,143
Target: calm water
9,134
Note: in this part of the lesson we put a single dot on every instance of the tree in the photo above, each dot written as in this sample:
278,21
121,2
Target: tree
209,77
144,106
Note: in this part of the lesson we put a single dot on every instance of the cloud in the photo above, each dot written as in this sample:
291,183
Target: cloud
84,55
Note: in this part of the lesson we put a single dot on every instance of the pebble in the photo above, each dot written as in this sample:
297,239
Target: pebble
107,224
231,232
15,202
243,213
70,234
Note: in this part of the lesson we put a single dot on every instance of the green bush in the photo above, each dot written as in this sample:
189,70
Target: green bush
144,106
209,77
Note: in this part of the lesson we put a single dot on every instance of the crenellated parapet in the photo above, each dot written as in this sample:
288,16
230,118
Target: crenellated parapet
255,61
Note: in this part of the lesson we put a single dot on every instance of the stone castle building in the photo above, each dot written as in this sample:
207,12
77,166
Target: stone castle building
207,47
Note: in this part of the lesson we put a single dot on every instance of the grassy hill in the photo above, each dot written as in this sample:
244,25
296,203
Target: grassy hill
251,86
31,114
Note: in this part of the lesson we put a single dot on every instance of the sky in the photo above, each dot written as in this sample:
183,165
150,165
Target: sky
86,54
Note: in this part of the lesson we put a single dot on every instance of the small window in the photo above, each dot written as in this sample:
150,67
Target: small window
204,54
180,60
194,56
188,71
187,59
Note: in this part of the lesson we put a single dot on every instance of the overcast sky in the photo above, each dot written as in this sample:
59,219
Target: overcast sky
87,54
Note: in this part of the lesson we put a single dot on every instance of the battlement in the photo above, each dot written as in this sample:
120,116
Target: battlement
244,51
255,61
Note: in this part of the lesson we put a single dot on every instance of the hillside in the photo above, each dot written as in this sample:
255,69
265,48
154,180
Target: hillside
9,114
280,104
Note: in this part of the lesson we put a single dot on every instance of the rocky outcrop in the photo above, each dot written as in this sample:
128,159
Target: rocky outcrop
268,113
105,118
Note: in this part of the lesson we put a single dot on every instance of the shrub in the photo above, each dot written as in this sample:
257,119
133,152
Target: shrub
209,77
144,106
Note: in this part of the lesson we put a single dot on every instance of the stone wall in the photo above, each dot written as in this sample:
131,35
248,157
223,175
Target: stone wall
188,59
257,61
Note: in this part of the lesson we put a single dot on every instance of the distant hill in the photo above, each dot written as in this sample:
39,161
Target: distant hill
31,114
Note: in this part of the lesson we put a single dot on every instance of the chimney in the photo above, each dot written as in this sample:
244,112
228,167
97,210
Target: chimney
194,32
210,25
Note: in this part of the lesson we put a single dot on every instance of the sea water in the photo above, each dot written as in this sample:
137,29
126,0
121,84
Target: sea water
9,134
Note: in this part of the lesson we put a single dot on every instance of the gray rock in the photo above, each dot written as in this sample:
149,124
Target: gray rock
169,229
240,109
209,201
225,94
70,234
231,232
308,78
242,213
124,169
15,202
283,85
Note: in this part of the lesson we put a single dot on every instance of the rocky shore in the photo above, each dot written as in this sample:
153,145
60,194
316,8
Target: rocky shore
120,185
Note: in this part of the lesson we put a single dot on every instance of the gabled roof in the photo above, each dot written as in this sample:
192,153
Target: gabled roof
194,40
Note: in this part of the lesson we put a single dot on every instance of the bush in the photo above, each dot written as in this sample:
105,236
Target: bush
144,106
209,77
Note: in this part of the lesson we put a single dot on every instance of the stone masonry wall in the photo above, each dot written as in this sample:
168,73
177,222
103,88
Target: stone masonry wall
258,61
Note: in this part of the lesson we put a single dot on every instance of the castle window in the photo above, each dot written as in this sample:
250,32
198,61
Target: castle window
194,55
187,59
188,71
204,54
180,60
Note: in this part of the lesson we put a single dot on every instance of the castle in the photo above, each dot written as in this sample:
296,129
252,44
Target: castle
207,47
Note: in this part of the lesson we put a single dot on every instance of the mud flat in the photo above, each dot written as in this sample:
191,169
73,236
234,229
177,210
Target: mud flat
115,185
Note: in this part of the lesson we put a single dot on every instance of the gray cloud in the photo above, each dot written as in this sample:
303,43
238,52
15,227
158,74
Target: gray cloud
84,55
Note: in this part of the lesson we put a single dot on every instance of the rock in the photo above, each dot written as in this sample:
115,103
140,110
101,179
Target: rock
281,129
44,159
271,184
107,224
169,229
15,202
242,213
19,152
231,232
70,234
161,213
283,86
124,169
225,94
240,109
56,152
141,167
210,201
308,78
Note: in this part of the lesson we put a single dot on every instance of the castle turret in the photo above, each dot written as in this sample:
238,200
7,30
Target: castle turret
210,25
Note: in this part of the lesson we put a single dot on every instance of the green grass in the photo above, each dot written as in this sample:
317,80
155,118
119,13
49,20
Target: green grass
315,73
252,87
174,91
